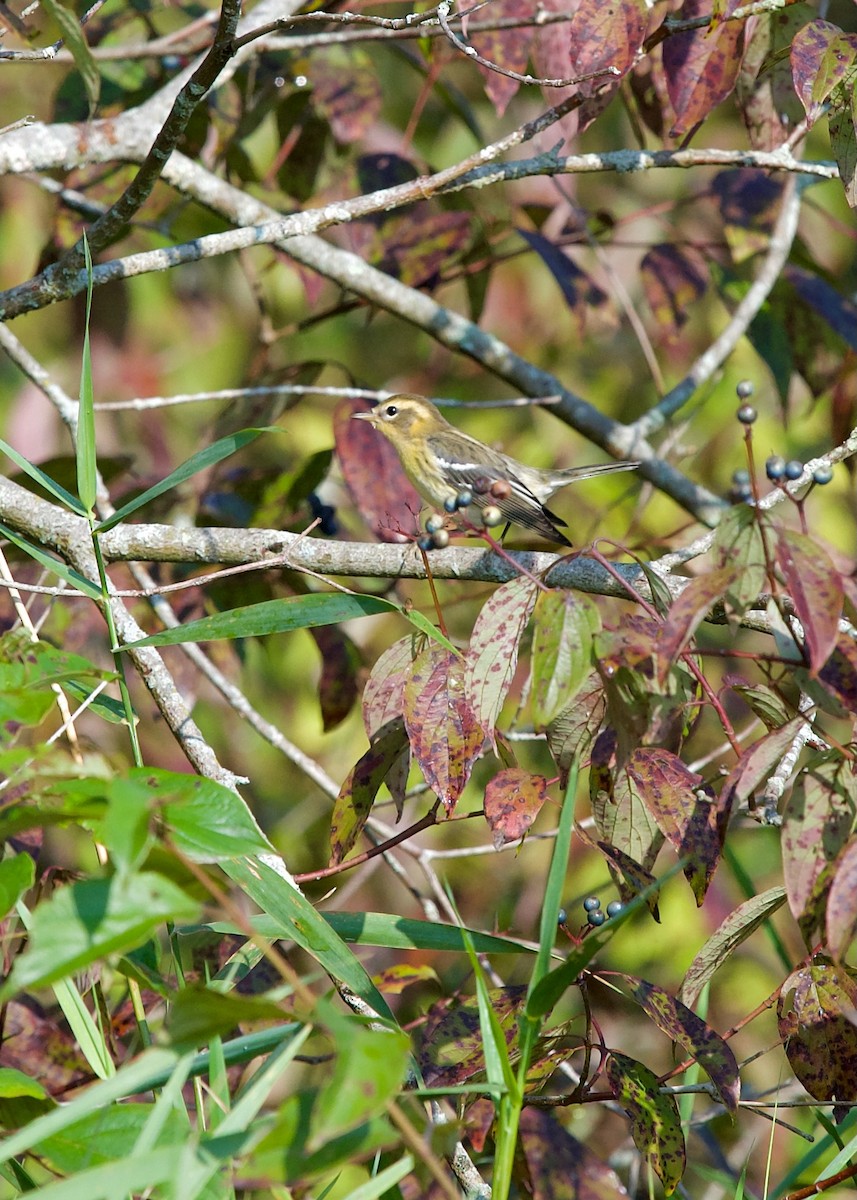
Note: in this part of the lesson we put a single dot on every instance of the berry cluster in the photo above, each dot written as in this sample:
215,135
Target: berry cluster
437,537
777,469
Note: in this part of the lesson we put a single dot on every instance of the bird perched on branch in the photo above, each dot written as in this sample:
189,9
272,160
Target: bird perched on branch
454,471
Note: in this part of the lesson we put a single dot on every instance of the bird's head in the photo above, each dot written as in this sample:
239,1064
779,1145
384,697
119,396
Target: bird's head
404,416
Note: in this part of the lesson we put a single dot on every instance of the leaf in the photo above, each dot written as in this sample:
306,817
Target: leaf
582,295
821,58
346,90
283,616
571,733
683,808
55,566
492,655
815,1017
513,800
87,468
72,34
452,1050
445,737
754,765
199,1014
357,794
559,1167
707,1048
687,613
200,461
562,652
815,588
385,497
17,875
630,878
340,664
673,278
383,700
509,48
655,1120
843,138
738,545
607,35
841,923
83,922
700,66
766,93
733,932
818,820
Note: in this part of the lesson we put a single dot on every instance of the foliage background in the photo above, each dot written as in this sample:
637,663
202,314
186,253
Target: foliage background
571,273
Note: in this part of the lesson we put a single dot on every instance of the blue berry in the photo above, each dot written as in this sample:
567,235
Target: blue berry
464,498
426,543
591,903
596,918
822,475
746,414
614,908
741,477
561,917
434,523
744,390
451,504
794,469
775,467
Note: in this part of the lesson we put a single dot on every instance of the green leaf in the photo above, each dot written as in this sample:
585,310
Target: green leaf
655,1121
203,459
76,43
84,921
369,1070
283,616
198,1014
87,467
51,486
56,566
297,920
562,652
16,877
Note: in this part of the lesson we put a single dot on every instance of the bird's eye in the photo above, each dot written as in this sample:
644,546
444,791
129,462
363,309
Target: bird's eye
390,410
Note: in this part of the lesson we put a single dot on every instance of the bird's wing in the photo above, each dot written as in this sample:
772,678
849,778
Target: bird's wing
488,467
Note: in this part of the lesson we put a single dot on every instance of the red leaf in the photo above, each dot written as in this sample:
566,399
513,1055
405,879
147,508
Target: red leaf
701,66
841,922
513,800
509,48
684,811
815,1016
374,476
817,822
607,35
688,612
347,90
383,698
445,736
815,588
753,766
821,57
493,652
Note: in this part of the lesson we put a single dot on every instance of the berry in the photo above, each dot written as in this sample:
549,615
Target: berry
491,516
739,477
591,903
481,484
501,489
744,390
596,918
775,467
614,908
561,917
451,504
426,543
434,523
822,475
794,469
440,539
740,492
746,414
464,498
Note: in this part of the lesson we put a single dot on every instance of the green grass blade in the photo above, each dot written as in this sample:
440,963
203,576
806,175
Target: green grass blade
38,475
200,461
87,470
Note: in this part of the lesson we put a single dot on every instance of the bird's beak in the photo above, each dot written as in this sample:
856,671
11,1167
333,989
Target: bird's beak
365,416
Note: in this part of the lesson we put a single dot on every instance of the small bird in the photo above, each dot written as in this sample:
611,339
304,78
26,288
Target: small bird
447,467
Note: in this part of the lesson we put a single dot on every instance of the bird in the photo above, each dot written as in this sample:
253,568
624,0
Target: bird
453,471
